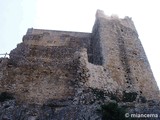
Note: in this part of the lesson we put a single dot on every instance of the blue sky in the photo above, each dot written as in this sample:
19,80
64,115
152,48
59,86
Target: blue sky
16,16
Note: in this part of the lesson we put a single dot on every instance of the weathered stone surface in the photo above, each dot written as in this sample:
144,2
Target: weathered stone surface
122,54
60,75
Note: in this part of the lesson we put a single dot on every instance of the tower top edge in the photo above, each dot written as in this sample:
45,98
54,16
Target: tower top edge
101,14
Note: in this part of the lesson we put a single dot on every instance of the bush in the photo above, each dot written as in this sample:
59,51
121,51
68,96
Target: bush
4,96
129,97
112,111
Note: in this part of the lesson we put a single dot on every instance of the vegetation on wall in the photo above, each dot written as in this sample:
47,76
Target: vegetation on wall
112,111
6,96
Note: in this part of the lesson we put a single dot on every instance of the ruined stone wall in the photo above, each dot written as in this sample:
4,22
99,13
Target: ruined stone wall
42,66
61,65
60,75
56,38
38,78
124,56
97,76
57,33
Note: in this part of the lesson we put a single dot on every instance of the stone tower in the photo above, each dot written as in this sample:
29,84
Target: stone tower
115,45
71,74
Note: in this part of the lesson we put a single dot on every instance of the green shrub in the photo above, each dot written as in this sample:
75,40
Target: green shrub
4,96
112,111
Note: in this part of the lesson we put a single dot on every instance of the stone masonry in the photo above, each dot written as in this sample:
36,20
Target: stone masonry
66,69
116,46
112,53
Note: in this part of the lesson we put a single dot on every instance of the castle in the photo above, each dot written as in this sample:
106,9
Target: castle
63,65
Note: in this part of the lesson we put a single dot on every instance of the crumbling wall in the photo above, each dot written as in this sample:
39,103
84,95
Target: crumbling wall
37,80
97,76
56,38
111,59
71,74
42,67
123,56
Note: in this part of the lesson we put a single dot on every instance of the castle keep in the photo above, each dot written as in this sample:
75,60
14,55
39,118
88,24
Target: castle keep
69,66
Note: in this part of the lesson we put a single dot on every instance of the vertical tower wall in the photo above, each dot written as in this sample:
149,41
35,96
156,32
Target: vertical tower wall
122,54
